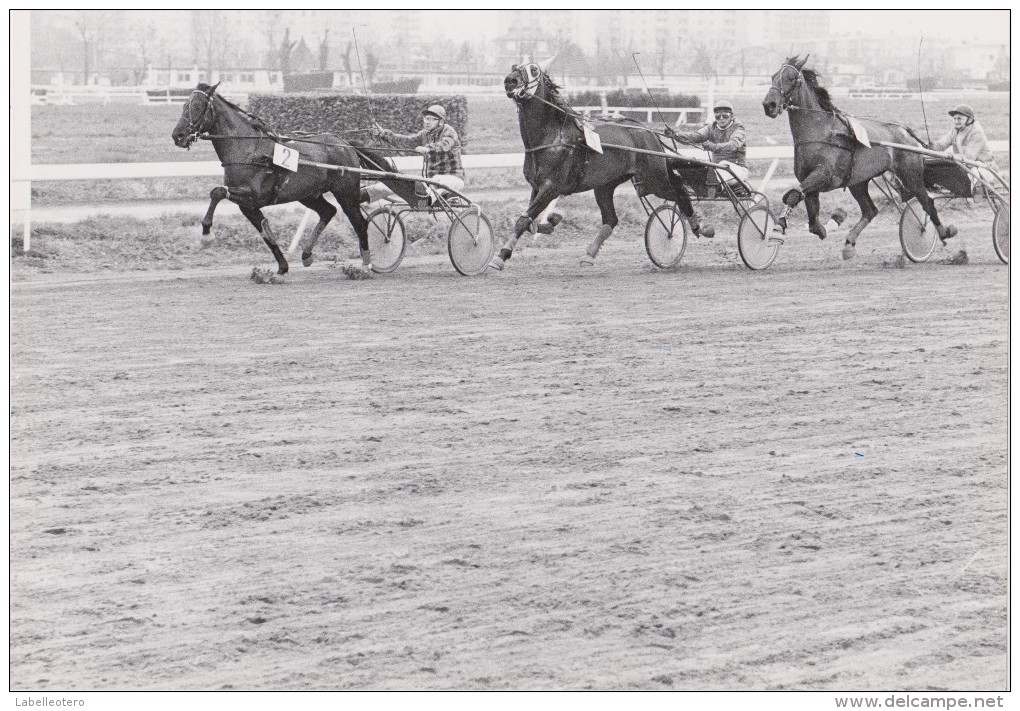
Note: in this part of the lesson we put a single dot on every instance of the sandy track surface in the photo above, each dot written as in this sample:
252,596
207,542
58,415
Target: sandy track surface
547,478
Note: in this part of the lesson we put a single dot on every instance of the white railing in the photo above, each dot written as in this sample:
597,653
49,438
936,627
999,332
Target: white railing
191,169
682,116
188,169
60,95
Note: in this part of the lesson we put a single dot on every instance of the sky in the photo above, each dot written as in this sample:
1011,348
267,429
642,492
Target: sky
986,25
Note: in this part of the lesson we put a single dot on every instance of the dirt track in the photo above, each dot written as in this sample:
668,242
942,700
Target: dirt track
546,478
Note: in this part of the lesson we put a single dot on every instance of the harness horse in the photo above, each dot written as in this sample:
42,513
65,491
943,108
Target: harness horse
828,154
246,147
559,160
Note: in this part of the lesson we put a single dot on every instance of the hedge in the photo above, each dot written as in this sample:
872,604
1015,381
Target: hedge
340,113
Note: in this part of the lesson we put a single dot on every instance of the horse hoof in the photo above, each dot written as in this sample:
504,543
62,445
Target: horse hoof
848,251
496,263
708,232
307,259
587,261
545,228
283,269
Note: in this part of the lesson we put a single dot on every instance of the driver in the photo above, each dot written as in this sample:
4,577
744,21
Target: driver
437,141
966,139
724,139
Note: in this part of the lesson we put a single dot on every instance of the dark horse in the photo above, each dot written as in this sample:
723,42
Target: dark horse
827,156
245,146
558,162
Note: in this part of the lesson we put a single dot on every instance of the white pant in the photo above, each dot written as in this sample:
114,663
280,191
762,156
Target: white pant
738,170
379,191
983,174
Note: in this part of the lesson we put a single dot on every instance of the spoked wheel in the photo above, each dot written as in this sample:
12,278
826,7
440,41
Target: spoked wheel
758,247
917,233
471,242
1000,230
666,236
387,239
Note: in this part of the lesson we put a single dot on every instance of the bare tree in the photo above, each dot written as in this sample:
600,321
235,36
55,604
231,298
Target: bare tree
371,65
90,32
347,63
324,51
286,48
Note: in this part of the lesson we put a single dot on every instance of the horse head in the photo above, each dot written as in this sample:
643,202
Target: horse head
784,83
198,116
524,80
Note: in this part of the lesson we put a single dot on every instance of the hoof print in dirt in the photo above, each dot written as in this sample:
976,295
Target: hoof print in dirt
262,275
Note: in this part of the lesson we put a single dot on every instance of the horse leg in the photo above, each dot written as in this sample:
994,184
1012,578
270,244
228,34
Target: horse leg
326,212
543,196
604,199
813,205
256,217
548,220
913,184
868,212
216,196
350,203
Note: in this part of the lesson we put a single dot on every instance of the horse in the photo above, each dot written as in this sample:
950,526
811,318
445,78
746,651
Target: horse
558,161
245,145
828,156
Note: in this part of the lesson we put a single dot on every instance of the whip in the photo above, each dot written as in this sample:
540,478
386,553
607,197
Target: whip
650,95
921,91
361,68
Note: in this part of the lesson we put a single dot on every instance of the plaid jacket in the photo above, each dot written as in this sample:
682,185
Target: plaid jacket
443,143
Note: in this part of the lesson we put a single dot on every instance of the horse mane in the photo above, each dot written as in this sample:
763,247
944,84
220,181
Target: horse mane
257,122
553,95
820,92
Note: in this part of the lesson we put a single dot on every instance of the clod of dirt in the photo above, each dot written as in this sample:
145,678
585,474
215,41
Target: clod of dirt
262,275
257,620
958,258
55,531
354,273
663,679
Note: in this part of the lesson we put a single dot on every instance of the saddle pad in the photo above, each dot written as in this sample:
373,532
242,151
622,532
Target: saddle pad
860,133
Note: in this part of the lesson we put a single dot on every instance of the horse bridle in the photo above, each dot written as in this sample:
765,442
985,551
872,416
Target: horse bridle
194,129
787,95
534,75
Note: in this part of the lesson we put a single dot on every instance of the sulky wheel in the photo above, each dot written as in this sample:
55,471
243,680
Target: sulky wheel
387,239
917,233
471,242
1000,230
755,242
666,236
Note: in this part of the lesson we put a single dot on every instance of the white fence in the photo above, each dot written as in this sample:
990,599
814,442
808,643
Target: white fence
191,169
679,116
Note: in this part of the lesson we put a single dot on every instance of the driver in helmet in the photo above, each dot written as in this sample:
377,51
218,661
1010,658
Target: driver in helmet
724,139
966,139
437,141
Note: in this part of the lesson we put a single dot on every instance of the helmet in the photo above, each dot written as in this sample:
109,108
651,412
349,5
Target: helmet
436,110
723,105
963,110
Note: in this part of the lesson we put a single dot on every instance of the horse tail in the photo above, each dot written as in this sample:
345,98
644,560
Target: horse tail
913,135
374,160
